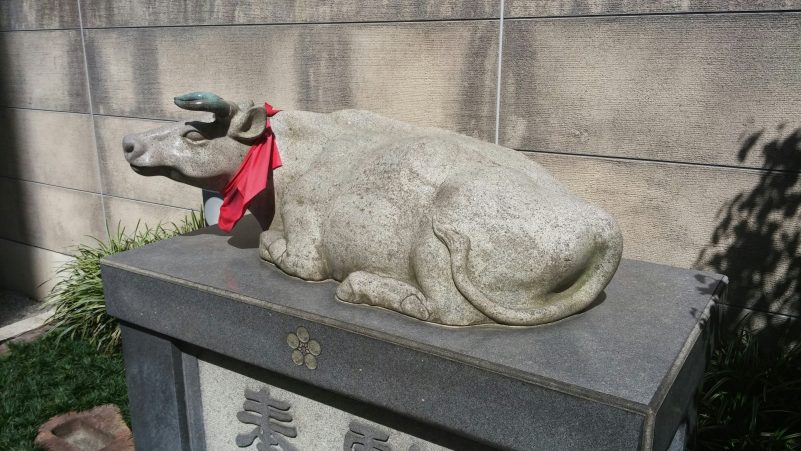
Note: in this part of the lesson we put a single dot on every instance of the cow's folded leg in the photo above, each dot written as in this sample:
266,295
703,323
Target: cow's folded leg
266,239
296,258
277,251
362,287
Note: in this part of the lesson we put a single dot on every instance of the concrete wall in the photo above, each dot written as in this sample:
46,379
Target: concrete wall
680,118
62,178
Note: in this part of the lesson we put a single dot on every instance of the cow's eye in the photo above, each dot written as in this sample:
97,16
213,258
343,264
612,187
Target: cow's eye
194,135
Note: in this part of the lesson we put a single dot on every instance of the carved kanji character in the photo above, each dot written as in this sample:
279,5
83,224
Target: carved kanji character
271,418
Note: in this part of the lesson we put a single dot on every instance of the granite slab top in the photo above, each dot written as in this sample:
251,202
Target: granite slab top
623,347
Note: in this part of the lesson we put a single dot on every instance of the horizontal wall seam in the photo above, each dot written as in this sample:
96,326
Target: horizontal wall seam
41,29
138,117
569,16
674,13
34,246
200,202
490,18
42,109
51,185
286,24
760,170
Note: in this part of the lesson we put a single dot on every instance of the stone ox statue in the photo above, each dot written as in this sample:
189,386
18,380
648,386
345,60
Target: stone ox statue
422,221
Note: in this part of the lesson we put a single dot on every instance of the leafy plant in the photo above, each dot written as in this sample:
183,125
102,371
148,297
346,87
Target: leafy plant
80,308
751,396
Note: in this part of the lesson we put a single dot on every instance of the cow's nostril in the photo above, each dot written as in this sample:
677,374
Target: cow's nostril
128,144
129,147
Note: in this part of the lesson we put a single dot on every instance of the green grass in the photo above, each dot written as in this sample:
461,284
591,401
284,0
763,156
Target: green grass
80,308
751,396
48,377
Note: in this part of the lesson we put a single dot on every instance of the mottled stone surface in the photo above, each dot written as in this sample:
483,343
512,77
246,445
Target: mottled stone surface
28,137
38,14
44,70
429,223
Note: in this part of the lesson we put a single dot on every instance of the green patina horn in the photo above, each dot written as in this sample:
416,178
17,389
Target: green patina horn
206,101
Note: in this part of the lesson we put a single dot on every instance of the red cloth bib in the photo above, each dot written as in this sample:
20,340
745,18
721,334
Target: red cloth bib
252,176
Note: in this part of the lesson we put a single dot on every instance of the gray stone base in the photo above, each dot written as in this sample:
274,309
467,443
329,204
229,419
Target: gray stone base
204,320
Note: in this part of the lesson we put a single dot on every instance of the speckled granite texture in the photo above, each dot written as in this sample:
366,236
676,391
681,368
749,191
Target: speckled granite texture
423,221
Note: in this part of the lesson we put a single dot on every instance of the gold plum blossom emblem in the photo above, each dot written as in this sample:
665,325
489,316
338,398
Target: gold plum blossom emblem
304,348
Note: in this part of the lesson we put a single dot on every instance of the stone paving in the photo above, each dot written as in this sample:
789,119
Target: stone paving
21,318
15,306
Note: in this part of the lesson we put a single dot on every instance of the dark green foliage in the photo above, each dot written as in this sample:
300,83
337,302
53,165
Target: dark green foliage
80,309
49,377
751,396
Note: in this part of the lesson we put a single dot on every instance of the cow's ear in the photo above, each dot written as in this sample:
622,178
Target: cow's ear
248,124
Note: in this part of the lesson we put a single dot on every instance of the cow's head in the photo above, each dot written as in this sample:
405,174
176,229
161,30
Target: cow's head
201,154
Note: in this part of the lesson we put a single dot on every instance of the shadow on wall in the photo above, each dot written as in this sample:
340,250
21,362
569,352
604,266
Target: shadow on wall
757,240
17,260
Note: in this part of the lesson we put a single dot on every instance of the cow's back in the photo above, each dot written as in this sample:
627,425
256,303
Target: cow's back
373,182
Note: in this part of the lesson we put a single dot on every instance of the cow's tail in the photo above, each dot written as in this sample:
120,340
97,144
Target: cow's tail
552,306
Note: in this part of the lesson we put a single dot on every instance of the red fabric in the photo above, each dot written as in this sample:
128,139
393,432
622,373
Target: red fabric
252,176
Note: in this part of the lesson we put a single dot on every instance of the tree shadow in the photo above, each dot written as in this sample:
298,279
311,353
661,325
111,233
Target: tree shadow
757,240
749,397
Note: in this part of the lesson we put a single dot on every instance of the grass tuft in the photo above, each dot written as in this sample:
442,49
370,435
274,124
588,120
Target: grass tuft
49,377
80,308
751,396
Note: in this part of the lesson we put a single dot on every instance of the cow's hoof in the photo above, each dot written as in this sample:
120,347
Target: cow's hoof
267,238
345,292
264,253
277,250
413,306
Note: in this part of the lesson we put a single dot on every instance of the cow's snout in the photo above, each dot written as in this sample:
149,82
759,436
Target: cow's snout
131,147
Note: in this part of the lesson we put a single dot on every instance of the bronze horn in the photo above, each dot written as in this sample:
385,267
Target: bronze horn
206,101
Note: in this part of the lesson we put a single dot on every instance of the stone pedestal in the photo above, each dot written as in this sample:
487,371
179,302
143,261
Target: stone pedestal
224,351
